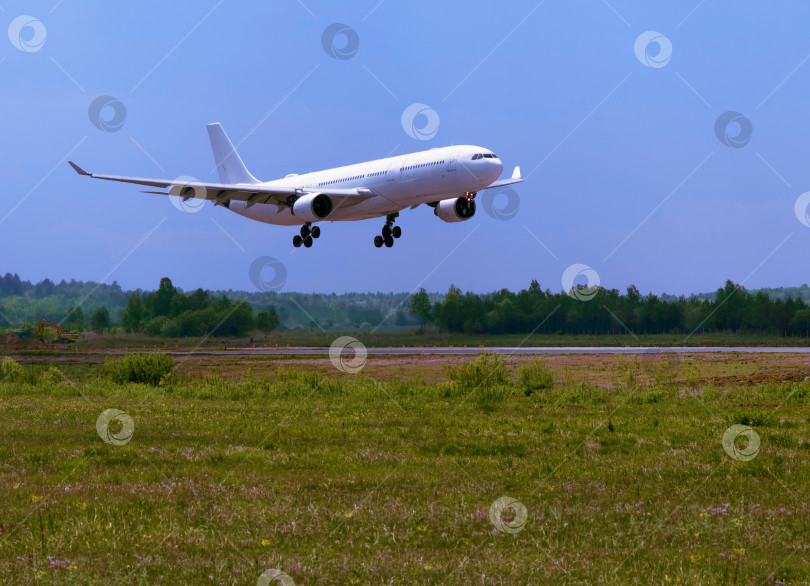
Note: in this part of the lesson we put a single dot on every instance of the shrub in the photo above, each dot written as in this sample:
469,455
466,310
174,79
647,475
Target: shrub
534,376
149,369
488,397
53,376
10,370
488,370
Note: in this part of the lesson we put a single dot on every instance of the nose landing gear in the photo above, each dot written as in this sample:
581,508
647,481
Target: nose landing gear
308,233
389,232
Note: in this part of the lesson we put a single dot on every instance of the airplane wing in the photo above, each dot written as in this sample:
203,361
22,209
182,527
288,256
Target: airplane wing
220,193
516,178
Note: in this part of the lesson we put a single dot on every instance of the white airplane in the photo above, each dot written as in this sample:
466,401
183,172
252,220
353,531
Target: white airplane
446,179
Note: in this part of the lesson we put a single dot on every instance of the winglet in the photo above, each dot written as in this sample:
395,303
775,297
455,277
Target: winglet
78,169
516,173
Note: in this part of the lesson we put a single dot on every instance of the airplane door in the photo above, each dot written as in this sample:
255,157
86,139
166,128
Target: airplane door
452,163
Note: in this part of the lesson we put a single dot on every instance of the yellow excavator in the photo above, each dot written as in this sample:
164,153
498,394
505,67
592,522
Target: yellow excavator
61,334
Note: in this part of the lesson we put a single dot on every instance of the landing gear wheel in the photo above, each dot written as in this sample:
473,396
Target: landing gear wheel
315,231
308,241
389,232
304,231
297,241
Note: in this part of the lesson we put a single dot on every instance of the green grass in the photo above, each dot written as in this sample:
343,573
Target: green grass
342,479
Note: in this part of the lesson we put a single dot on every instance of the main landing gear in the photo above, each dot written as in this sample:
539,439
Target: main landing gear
389,232
308,233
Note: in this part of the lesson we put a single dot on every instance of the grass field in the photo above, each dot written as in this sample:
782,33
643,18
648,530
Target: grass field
388,476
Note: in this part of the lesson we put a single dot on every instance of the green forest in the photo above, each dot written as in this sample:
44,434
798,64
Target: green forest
606,311
82,306
171,312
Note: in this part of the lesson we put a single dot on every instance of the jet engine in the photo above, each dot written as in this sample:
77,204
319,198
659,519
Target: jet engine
312,207
455,210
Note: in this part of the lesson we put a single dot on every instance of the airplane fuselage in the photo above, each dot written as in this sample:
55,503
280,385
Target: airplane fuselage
397,182
446,179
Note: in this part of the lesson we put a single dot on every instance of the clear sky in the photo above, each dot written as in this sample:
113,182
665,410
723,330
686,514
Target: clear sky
616,135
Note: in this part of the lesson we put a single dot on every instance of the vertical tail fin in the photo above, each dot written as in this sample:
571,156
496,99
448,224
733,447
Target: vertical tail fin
229,163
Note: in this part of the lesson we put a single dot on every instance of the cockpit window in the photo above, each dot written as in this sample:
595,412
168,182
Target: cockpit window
476,156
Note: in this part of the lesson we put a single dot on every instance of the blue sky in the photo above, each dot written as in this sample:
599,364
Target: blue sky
624,170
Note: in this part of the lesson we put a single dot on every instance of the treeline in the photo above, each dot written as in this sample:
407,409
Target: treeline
22,302
333,311
171,313
76,302
732,309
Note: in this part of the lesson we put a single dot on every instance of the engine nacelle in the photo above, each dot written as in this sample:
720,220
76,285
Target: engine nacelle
455,210
313,207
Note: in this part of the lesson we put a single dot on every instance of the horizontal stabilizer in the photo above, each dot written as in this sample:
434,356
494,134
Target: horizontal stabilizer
516,178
